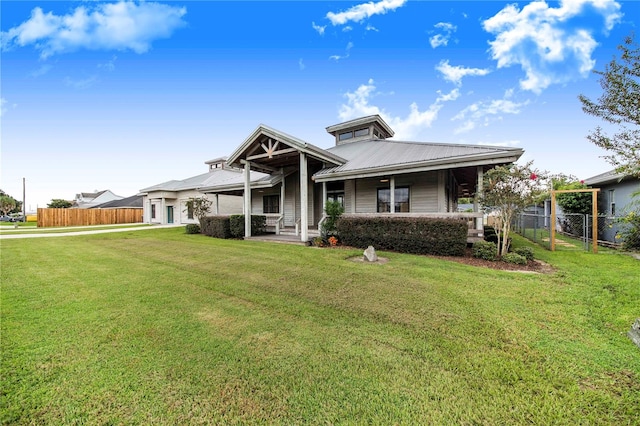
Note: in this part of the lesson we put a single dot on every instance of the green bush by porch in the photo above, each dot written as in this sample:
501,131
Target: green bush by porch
419,235
232,226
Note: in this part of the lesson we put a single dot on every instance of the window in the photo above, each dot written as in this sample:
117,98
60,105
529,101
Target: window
271,204
612,202
361,132
401,200
189,211
345,136
336,196
153,211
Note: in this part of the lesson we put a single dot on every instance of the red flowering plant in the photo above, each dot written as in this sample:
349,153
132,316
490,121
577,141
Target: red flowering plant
507,190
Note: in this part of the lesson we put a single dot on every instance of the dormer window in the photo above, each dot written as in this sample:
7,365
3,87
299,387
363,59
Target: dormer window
363,128
345,136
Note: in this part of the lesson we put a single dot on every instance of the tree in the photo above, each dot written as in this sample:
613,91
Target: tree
199,206
17,205
508,190
58,203
619,105
7,204
572,202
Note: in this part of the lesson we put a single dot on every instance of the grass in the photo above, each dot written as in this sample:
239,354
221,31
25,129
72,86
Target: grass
167,328
28,228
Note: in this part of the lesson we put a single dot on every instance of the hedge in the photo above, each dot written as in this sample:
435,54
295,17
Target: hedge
258,225
216,226
232,226
419,235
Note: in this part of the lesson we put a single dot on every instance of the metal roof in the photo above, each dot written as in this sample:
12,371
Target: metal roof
377,156
607,177
214,178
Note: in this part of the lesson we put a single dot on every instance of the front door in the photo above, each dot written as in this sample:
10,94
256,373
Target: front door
169,214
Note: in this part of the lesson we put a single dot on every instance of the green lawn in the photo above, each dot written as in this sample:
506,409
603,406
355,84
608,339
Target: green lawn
31,228
160,327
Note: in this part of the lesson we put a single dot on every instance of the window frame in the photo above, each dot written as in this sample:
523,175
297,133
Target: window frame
397,204
266,205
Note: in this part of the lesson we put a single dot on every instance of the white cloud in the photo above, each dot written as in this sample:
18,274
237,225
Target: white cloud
358,105
110,65
319,28
363,11
442,39
81,84
346,55
482,113
540,39
4,107
100,26
347,29
455,74
371,28
44,69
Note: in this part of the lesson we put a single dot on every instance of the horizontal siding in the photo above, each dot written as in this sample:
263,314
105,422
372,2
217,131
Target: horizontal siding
423,190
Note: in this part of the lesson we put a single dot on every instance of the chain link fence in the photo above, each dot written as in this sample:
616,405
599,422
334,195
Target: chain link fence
575,231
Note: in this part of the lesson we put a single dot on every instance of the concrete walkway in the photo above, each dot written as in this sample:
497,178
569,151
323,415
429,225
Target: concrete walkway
17,233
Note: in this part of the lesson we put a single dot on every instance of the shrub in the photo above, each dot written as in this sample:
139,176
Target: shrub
216,226
514,258
420,235
258,225
192,228
333,210
485,250
526,252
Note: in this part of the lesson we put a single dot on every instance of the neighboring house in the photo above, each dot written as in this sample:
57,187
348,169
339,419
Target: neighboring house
166,202
615,199
133,202
289,180
86,200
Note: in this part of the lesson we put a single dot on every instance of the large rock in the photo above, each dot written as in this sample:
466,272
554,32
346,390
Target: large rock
634,333
370,255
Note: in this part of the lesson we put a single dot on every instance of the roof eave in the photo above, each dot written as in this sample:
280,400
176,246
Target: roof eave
394,169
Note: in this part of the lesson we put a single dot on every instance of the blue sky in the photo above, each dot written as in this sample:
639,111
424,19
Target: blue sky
125,95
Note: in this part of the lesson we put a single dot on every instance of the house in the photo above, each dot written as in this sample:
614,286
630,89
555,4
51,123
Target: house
615,199
85,200
165,203
133,202
289,180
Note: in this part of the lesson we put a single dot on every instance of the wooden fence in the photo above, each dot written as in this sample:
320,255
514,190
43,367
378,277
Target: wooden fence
83,217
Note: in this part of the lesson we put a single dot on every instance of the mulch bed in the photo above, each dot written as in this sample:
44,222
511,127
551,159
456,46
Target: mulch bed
534,266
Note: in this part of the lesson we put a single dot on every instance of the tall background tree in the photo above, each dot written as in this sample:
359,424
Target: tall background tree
8,204
619,105
58,203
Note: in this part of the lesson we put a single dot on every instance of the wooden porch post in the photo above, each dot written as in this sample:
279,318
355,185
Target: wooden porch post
282,192
247,199
476,204
304,195
324,197
392,194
